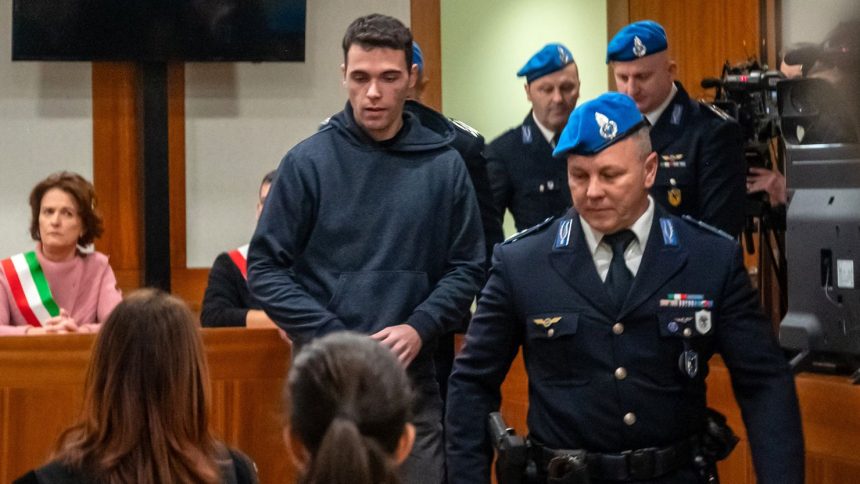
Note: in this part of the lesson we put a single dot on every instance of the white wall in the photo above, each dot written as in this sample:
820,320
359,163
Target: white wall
45,126
805,21
485,43
242,118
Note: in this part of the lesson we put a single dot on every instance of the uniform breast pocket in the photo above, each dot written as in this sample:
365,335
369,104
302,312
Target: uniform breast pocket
554,351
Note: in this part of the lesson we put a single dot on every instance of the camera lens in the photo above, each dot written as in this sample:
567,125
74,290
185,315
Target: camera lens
801,100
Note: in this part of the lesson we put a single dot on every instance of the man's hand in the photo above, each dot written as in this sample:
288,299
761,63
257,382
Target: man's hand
402,340
770,181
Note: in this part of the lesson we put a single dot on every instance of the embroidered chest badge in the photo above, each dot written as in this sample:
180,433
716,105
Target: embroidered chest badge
703,321
547,323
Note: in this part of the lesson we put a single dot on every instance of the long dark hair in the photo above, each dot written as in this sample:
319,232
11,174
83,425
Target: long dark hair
348,401
145,406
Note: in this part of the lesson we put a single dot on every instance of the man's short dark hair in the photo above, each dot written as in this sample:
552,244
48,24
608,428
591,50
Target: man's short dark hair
377,30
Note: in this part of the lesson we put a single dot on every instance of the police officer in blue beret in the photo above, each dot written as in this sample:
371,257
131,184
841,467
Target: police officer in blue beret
525,177
700,162
618,306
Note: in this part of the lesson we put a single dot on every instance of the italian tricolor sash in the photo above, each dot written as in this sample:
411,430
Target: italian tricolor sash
240,258
30,288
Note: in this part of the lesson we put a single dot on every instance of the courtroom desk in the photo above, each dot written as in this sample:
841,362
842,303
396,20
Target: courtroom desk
829,405
41,391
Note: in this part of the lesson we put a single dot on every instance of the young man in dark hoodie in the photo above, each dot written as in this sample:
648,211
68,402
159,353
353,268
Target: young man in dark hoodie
372,226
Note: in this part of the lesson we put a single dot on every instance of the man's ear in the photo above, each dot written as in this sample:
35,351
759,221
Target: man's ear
673,69
528,93
413,75
343,71
650,169
404,447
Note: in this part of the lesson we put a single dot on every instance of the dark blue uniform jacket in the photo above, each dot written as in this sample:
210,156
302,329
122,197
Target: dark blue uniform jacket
360,235
545,295
470,145
524,176
701,166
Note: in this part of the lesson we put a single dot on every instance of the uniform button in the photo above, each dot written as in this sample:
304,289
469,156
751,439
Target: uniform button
620,373
688,332
617,328
630,418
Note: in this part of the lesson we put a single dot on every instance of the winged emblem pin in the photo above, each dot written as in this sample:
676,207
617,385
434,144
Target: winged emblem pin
547,322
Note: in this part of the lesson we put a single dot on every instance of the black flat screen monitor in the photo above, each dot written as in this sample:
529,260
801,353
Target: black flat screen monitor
159,30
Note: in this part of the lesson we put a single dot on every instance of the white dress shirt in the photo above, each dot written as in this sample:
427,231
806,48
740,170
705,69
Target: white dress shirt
654,115
546,132
601,252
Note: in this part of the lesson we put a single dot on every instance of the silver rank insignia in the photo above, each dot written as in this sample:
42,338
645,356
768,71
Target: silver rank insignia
688,363
703,321
608,128
639,49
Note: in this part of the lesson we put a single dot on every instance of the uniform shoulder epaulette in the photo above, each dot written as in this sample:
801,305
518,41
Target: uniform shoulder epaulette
716,111
529,231
706,227
465,127
324,123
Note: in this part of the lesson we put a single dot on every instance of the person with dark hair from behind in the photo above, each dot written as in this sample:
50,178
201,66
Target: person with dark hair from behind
227,300
61,286
470,145
348,405
145,414
372,226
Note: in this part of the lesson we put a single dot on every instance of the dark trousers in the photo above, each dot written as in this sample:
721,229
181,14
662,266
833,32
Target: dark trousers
426,462
443,359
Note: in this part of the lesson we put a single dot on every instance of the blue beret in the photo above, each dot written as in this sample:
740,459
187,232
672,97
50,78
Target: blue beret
637,40
418,57
551,58
598,124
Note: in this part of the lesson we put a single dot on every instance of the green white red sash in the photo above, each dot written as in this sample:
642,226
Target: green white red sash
240,258
30,288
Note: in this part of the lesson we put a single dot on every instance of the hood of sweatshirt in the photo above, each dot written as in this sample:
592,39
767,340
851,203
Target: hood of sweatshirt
423,130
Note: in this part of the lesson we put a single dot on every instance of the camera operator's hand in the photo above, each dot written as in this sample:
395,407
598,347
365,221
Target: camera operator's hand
770,181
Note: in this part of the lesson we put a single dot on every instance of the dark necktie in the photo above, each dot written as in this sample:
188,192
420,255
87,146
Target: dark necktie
619,278
555,138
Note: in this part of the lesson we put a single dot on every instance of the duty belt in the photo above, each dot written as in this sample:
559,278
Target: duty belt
639,464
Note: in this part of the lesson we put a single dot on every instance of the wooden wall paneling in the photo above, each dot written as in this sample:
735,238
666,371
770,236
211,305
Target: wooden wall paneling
190,284
116,157
249,367
176,156
41,386
702,35
773,32
41,392
617,16
426,28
